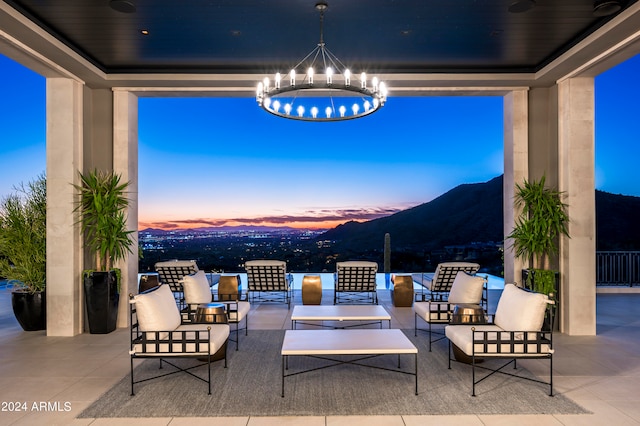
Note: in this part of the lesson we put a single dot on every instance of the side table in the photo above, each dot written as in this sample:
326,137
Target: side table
311,290
212,313
467,314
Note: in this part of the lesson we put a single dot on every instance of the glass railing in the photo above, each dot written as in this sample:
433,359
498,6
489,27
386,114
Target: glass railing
382,279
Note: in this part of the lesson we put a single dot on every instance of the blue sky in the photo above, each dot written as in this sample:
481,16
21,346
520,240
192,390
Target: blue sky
213,161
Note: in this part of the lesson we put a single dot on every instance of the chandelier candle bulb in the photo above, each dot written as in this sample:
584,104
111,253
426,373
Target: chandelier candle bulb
310,74
260,93
328,112
347,77
329,73
363,80
278,78
292,76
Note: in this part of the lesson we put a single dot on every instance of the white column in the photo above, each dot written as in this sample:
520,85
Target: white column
576,153
64,240
516,118
125,162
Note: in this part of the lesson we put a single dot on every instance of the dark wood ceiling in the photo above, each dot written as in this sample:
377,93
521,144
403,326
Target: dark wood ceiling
384,36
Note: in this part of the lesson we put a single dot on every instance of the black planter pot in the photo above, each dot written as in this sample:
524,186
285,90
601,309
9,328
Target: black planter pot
101,299
30,309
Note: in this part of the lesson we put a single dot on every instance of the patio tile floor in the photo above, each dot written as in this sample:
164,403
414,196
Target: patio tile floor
598,372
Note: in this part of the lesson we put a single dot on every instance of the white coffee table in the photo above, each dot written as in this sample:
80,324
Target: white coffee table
329,343
339,313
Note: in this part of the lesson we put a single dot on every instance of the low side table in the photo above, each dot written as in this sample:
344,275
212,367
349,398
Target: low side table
466,314
311,290
212,313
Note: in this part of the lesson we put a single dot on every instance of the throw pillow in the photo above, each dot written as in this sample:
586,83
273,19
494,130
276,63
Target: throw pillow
466,289
196,288
157,310
520,310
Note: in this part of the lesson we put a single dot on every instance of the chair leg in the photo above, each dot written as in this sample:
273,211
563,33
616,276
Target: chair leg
473,374
209,368
237,336
132,376
550,375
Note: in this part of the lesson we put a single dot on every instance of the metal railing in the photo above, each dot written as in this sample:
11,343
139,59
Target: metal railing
618,268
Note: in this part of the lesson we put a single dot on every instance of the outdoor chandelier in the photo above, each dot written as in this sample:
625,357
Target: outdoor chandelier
334,96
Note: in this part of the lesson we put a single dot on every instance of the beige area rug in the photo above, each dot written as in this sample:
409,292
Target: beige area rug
251,386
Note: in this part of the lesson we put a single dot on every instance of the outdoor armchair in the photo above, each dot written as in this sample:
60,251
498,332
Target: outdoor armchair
171,273
355,282
268,281
158,332
197,291
438,284
518,331
466,289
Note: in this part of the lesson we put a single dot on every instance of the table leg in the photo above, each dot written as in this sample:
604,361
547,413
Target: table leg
283,357
416,371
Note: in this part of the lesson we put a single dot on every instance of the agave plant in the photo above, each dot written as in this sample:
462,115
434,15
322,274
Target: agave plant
23,235
102,204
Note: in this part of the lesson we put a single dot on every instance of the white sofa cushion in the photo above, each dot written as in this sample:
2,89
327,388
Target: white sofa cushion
438,312
266,262
462,337
466,288
157,310
236,311
520,310
219,335
196,288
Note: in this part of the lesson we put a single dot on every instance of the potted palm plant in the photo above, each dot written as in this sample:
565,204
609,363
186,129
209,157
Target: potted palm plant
535,235
102,203
23,250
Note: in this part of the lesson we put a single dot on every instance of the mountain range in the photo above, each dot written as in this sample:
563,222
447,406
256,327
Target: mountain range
473,213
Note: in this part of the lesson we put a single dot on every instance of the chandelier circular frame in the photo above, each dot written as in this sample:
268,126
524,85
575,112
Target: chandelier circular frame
331,89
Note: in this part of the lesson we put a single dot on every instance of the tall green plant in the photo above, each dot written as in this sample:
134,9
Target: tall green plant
102,204
542,220
23,235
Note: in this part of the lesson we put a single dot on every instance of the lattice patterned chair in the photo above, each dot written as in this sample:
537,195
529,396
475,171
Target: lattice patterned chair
355,282
268,281
466,289
518,331
438,284
197,291
158,332
171,273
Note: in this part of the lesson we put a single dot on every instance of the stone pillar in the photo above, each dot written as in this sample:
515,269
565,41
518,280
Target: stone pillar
65,306
125,162
576,153
516,117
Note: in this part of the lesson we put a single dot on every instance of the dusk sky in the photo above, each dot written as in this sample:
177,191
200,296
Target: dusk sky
216,161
